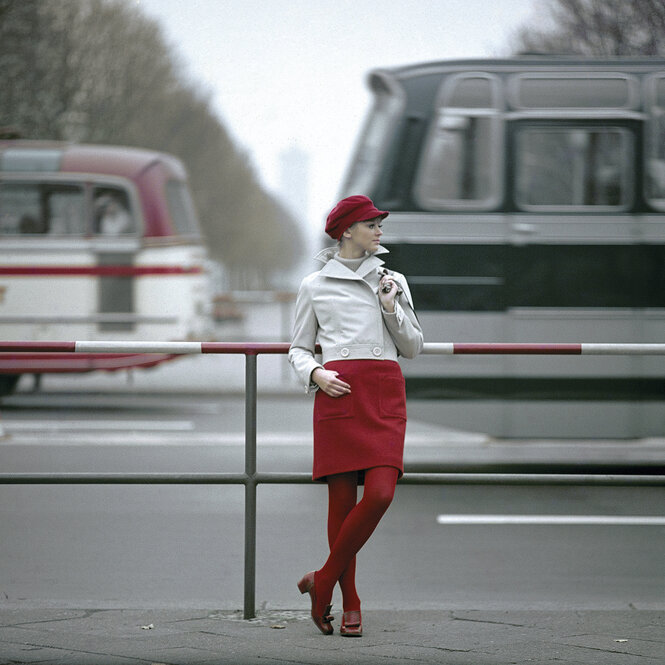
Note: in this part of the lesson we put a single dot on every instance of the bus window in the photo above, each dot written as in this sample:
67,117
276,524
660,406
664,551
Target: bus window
37,208
181,208
542,91
458,167
573,167
112,212
470,91
66,210
30,160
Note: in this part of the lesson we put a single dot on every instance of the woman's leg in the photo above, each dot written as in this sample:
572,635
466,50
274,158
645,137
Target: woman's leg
342,499
356,529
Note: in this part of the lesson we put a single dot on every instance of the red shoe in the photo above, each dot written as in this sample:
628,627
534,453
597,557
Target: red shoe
306,585
352,624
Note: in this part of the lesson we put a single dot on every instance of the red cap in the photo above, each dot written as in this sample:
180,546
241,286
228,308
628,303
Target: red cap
350,210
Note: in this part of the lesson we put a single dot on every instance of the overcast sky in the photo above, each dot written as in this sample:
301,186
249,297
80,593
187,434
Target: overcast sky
292,72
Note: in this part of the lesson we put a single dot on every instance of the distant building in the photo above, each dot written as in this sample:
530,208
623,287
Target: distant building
294,181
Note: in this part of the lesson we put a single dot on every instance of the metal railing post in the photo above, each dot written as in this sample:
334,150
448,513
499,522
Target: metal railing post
250,485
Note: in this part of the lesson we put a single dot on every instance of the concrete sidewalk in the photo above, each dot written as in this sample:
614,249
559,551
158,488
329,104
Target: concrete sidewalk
454,637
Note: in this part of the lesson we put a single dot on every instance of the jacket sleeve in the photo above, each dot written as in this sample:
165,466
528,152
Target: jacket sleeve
403,324
305,328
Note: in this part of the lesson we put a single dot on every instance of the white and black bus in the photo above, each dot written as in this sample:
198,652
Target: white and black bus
528,205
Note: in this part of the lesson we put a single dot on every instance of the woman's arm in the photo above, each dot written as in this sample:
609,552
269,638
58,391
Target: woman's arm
400,317
303,343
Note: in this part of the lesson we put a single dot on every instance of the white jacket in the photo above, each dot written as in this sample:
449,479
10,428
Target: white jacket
340,310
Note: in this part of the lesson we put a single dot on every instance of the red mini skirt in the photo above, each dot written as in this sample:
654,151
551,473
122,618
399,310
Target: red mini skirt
365,428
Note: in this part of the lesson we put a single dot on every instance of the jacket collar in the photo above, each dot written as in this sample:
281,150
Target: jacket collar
339,270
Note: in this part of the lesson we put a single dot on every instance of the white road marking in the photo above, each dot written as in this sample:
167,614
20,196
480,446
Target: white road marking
612,520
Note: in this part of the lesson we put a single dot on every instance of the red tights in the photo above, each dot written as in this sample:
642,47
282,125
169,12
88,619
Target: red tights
350,524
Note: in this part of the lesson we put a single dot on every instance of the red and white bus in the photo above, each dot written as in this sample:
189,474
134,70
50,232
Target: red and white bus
96,242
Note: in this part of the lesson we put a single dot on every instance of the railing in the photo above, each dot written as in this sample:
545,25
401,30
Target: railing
251,478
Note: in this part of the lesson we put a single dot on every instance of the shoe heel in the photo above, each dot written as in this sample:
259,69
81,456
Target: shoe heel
306,583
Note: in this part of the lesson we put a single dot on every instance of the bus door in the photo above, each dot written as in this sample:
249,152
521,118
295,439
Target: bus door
574,263
455,254
115,242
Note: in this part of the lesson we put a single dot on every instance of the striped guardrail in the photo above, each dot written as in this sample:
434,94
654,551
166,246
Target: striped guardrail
432,348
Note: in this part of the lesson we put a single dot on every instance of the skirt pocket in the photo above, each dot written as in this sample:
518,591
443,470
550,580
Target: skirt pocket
326,407
392,397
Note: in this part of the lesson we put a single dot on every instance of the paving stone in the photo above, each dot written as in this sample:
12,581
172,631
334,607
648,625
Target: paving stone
203,637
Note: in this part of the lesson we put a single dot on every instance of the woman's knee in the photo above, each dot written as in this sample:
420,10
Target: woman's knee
380,488
380,498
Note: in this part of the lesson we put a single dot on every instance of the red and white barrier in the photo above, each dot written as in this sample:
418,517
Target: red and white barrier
583,349
433,348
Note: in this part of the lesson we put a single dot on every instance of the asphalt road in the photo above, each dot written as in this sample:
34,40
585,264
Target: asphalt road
182,546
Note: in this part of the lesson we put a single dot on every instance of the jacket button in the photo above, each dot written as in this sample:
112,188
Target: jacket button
376,350
344,352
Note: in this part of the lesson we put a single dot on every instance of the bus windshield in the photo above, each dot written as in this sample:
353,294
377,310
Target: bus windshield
32,208
61,209
376,132
181,208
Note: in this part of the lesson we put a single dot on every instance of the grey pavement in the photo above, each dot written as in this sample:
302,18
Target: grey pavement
451,637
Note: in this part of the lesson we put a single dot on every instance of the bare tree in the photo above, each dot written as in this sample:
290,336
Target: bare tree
29,67
100,71
598,28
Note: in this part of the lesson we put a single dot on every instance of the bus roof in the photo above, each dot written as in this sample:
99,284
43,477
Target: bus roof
527,61
62,157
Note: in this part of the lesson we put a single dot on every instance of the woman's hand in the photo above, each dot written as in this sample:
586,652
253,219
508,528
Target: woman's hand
329,382
387,299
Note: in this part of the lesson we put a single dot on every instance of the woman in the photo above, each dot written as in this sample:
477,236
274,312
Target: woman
362,316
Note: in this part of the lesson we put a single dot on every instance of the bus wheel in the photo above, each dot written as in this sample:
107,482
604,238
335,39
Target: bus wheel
8,383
